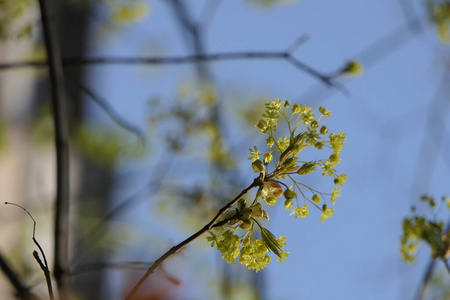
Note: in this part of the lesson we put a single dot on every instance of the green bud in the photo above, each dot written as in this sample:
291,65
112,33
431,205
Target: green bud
262,126
316,199
340,180
289,194
288,204
271,199
323,130
318,145
242,204
296,108
258,166
267,158
257,210
290,161
334,159
246,225
263,191
306,168
314,124
245,214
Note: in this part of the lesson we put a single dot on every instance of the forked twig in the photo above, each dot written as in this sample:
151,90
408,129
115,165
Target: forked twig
43,265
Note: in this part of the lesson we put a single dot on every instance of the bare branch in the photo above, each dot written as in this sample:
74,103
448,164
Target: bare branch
284,55
43,265
109,110
60,121
297,43
175,249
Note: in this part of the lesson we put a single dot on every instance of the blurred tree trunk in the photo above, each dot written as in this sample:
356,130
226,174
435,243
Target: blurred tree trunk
95,181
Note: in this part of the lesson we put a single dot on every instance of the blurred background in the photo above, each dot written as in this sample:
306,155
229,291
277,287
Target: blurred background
163,98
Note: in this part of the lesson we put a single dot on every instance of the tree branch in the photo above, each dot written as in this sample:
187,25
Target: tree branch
115,117
22,291
60,120
285,55
43,265
175,249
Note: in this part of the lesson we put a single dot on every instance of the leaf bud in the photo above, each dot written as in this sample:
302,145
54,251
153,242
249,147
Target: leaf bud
306,168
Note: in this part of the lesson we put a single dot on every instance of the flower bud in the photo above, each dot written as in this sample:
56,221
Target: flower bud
306,168
288,204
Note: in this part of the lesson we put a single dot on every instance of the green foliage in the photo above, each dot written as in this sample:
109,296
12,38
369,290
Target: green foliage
124,12
420,229
440,15
12,23
104,146
282,161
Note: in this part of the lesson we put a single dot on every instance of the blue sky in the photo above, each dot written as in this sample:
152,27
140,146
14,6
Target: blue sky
389,152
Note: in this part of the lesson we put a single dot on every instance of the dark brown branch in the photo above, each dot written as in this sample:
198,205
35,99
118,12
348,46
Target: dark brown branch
71,62
175,249
46,271
22,291
60,120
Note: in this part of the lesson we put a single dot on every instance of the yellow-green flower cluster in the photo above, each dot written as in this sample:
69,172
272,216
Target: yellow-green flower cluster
419,229
282,161
305,131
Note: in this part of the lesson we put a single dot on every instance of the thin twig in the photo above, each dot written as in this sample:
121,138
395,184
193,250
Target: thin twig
109,110
175,249
43,265
297,43
60,121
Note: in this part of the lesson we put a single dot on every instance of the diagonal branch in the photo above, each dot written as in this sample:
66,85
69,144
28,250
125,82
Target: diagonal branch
175,249
60,121
109,110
